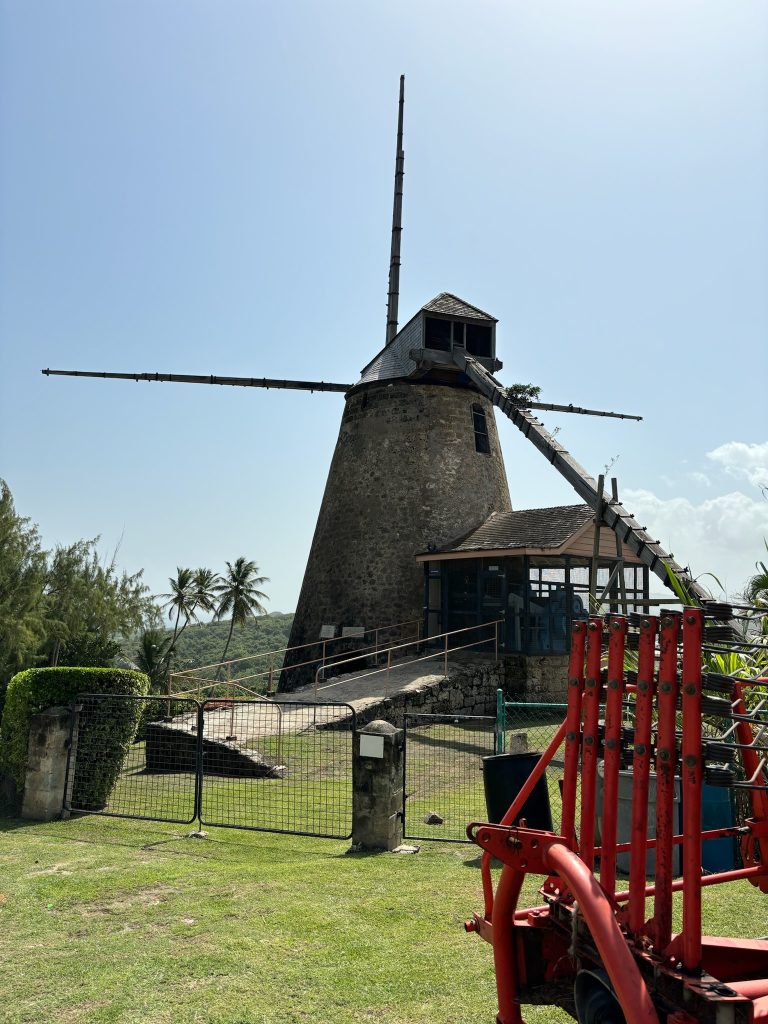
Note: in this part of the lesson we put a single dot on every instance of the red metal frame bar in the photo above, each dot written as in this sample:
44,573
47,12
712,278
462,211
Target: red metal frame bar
589,743
750,758
666,762
514,810
573,731
692,777
617,632
641,767
610,930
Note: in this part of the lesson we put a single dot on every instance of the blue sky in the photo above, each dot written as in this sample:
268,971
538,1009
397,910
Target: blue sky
206,188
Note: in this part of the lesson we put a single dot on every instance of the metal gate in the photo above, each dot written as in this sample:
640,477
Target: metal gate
443,775
271,765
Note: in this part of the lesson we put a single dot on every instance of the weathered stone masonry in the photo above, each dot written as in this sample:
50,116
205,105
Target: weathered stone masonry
405,475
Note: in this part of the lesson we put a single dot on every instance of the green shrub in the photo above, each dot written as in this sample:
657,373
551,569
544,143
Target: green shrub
36,689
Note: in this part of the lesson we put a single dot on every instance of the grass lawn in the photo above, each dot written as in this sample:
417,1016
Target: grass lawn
109,920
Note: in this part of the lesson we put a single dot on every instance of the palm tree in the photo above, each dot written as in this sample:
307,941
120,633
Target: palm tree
204,584
180,602
239,596
152,657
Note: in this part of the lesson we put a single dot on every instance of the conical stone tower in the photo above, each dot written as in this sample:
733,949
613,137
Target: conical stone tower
417,463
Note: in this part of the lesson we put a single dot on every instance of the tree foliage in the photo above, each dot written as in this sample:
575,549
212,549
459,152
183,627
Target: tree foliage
521,394
239,596
61,607
22,581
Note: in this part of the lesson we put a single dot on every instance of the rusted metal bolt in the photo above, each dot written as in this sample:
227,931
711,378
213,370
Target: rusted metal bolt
570,736
645,623
611,744
666,621
514,843
691,620
690,689
642,685
666,687
639,748
573,682
591,682
575,627
663,755
613,684
691,761
616,627
589,740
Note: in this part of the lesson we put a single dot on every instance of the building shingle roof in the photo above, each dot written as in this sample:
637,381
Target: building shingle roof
529,528
452,305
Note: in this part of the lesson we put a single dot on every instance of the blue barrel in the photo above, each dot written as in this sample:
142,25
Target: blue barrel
717,812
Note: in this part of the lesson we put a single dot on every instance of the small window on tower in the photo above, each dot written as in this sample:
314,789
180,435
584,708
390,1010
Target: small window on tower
479,340
437,333
458,334
482,444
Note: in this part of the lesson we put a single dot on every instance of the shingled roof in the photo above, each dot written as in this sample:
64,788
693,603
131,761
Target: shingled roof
529,528
452,305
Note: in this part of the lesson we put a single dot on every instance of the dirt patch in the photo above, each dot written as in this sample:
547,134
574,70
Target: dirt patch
153,896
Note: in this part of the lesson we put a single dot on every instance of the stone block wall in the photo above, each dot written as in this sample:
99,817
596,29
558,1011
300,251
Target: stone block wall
405,474
536,678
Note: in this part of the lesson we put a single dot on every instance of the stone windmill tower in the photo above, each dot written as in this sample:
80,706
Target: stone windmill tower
417,461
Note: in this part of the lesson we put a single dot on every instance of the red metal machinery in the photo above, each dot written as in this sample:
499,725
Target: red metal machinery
590,947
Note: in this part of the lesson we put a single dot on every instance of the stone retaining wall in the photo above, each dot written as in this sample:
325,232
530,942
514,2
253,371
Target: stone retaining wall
470,689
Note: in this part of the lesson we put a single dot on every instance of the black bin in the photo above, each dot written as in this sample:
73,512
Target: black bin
503,777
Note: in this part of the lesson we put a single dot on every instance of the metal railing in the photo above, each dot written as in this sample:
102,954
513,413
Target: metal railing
445,650
326,657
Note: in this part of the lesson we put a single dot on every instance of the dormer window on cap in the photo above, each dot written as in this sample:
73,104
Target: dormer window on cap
450,323
425,345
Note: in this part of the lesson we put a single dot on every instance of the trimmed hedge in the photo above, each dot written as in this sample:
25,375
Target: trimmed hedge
36,689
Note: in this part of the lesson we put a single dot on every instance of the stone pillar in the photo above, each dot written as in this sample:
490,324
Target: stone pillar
46,765
377,799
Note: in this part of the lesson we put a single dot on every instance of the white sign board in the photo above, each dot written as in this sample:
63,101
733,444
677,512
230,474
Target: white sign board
371,746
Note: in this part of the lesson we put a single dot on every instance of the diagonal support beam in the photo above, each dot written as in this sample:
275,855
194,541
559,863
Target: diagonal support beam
615,516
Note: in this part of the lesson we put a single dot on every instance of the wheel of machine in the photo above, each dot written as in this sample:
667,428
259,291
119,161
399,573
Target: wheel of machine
595,1001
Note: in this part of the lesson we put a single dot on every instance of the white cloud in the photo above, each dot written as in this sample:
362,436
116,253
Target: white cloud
743,461
723,535
699,478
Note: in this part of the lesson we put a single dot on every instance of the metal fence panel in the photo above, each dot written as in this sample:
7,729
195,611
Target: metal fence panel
278,766
529,728
444,773
121,763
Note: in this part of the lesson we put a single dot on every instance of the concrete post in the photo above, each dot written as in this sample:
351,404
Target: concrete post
377,798
46,765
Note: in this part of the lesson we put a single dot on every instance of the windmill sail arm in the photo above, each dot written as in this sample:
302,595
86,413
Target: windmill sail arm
615,516
549,407
186,378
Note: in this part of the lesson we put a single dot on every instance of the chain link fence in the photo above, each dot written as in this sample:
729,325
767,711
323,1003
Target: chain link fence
270,765
443,779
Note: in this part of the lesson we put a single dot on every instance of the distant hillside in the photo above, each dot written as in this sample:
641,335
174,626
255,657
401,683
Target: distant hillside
203,643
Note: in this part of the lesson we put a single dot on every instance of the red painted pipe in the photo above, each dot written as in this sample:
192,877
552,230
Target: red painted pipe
617,631
749,757
589,743
691,773
641,767
504,950
573,730
513,812
611,944
666,760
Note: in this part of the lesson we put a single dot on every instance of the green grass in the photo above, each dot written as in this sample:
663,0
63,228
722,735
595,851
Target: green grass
104,920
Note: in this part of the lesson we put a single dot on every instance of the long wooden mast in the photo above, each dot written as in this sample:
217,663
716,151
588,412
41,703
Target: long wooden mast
393,294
